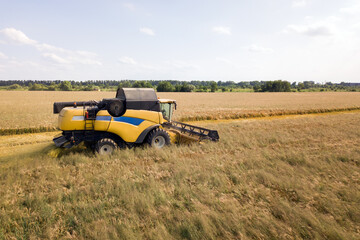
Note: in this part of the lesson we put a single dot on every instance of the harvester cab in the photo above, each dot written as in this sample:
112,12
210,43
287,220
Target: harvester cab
167,108
135,116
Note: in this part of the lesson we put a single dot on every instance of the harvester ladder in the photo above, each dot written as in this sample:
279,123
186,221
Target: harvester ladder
89,118
89,124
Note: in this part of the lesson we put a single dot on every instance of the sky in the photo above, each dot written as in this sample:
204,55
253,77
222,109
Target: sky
228,40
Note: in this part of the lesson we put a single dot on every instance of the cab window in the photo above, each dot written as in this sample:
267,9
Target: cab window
166,110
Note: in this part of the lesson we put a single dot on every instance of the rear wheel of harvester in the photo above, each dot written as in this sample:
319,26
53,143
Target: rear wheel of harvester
158,138
105,146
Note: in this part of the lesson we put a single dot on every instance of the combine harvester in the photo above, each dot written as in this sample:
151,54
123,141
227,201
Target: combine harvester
136,116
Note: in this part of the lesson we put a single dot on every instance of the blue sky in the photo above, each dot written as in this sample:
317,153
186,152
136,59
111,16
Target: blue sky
294,40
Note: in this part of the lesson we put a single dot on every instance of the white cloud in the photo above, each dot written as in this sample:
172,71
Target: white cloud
351,10
356,26
56,54
180,64
55,58
329,27
147,31
17,37
309,18
222,30
224,60
129,6
333,19
83,60
48,47
259,49
127,60
21,63
86,54
3,56
312,30
299,3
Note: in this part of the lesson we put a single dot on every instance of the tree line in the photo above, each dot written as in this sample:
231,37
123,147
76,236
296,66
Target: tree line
176,86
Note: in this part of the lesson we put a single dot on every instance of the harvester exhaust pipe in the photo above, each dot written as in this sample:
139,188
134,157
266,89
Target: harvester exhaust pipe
115,107
58,106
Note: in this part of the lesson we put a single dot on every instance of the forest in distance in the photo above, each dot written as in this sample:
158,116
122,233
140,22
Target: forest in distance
178,86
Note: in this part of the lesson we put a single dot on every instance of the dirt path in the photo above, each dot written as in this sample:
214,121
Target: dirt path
33,143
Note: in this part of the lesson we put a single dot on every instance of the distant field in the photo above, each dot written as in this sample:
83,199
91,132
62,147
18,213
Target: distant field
200,106
25,109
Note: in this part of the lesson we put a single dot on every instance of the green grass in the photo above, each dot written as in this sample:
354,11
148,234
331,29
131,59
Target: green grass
279,179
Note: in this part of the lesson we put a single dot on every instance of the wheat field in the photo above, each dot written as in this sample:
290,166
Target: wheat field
31,109
283,177
272,178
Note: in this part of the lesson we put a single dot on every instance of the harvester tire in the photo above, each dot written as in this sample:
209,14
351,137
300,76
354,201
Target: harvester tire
158,138
105,146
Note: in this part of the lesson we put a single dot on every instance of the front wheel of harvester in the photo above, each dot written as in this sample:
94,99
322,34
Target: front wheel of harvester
158,138
105,146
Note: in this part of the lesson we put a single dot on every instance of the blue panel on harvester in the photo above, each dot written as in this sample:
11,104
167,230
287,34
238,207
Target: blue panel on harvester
130,120
103,118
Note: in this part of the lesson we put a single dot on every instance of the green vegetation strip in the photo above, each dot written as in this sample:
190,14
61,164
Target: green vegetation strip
177,86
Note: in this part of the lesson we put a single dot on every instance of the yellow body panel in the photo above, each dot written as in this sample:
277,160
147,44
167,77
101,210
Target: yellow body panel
71,119
128,127
130,132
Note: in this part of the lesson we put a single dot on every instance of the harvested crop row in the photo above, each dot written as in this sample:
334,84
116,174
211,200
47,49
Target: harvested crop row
220,115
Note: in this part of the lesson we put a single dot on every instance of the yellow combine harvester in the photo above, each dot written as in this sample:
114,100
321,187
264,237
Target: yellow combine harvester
134,117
